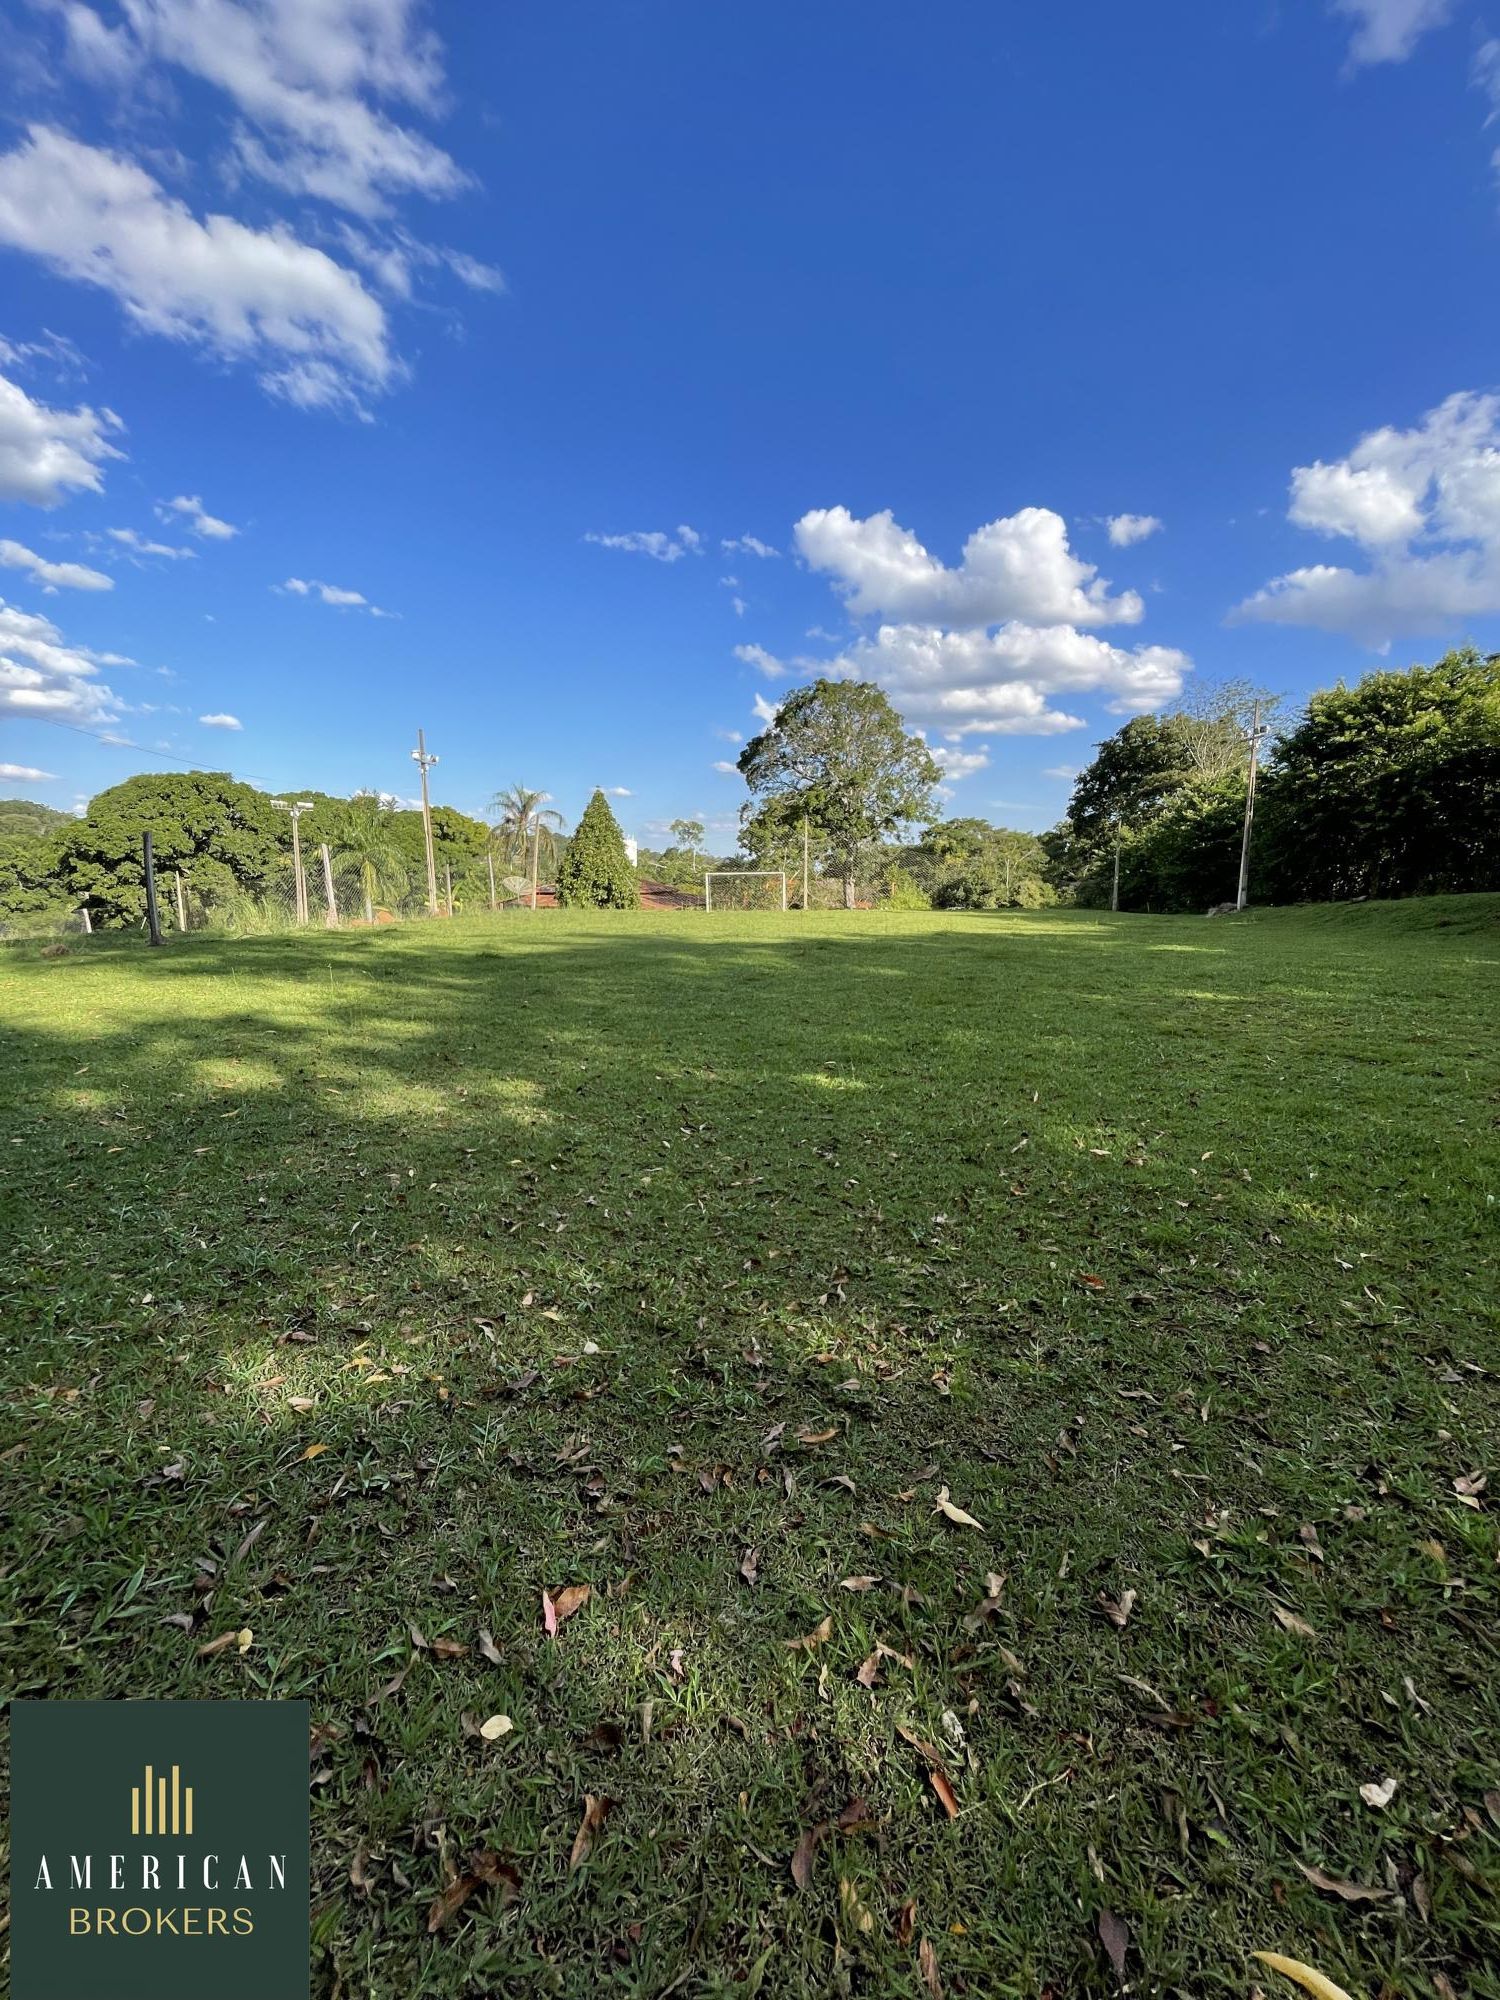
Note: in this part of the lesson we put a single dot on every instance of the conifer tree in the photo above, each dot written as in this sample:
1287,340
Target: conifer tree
595,873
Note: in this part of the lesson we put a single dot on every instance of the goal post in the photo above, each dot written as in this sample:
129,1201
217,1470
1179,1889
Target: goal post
776,876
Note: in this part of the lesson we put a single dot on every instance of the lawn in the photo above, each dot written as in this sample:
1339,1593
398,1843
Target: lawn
363,1287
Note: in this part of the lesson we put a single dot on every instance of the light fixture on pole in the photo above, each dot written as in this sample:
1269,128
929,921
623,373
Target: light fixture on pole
297,807
424,759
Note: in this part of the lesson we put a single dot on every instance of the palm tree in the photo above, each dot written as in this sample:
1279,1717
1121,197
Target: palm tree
524,821
364,832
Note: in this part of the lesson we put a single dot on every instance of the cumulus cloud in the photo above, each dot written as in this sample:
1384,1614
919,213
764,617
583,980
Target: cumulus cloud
26,774
1017,567
138,544
190,506
1388,30
1423,505
764,711
1127,528
750,545
258,295
47,453
52,575
1003,682
618,791
654,542
221,721
332,593
45,679
1064,773
762,661
309,83
723,765
955,763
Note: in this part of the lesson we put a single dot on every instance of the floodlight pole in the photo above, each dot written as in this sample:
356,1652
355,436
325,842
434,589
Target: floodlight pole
1114,894
804,860
425,760
297,807
153,920
1256,733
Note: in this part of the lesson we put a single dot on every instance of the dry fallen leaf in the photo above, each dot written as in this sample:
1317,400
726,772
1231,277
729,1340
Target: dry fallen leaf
1379,1796
1302,1975
1469,1487
940,1784
1349,1892
859,1583
594,1811
496,1727
242,1639
302,1403
819,1635
927,1960
818,1437
448,1649
750,1566
556,1609
803,1853
313,1451
1115,1938
488,1649
1118,1610
953,1513
1290,1622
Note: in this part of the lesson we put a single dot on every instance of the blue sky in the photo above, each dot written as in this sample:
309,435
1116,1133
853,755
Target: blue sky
366,364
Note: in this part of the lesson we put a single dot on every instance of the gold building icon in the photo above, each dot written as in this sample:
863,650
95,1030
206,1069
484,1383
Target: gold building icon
161,1806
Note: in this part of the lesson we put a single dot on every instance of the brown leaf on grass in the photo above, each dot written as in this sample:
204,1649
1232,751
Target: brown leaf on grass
954,1513
906,1920
940,1784
496,1727
1117,1609
313,1451
594,1813
920,1744
486,1869
1115,1937
869,1671
242,1639
1379,1796
856,1914
927,1960
1290,1622
750,1567
488,1649
856,1817
183,1620
1469,1487
453,1898
804,1852
417,1638
1421,1896
448,1649
559,1607
819,1635
1089,1279
1307,1534
858,1582
1348,1892
818,1437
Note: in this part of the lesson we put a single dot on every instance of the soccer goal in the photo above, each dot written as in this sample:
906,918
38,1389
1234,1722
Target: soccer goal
745,889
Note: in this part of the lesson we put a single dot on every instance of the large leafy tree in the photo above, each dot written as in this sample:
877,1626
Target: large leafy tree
838,754
227,839
595,872
363,832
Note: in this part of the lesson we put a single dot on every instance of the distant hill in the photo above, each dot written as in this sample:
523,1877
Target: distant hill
29,818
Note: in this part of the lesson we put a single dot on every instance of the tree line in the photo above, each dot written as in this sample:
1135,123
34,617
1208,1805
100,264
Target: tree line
1387,788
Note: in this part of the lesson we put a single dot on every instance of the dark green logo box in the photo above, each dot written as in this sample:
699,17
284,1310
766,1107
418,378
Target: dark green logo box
174,1836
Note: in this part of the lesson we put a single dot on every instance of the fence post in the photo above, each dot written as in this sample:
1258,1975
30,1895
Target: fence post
153,918
448,885
491,860
181,900
88,922
333,908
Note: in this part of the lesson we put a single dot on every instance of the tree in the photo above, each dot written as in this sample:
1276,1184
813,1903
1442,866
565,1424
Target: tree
688,833
595,873
839,754
524,823
227,838
363,831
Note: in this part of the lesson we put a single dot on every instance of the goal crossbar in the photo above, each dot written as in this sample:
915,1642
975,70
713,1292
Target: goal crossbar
742,875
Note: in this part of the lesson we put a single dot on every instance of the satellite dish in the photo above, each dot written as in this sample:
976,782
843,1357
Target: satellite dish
514,885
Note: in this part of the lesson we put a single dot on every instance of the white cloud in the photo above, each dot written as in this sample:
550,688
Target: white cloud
221,721
1018,567
308,78
723,765
739,606
762,661
19,773
763,710
43,678
202,523
129,538
1424,507
52,575
618,791
730,735
955,764
750,545
263,296
1388,30
1002,683
1064,773
45,453
1127,528
334,594
652,542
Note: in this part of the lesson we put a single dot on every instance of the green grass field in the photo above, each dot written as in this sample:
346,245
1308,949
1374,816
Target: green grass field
361,1287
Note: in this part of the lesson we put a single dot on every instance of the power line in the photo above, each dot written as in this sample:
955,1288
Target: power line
124,743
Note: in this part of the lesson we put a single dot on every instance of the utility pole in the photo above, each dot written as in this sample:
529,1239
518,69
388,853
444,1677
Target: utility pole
804,861
181,900
1114,894
490,859
448,886
153,917
424,761
1256,733
328,895
297,808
